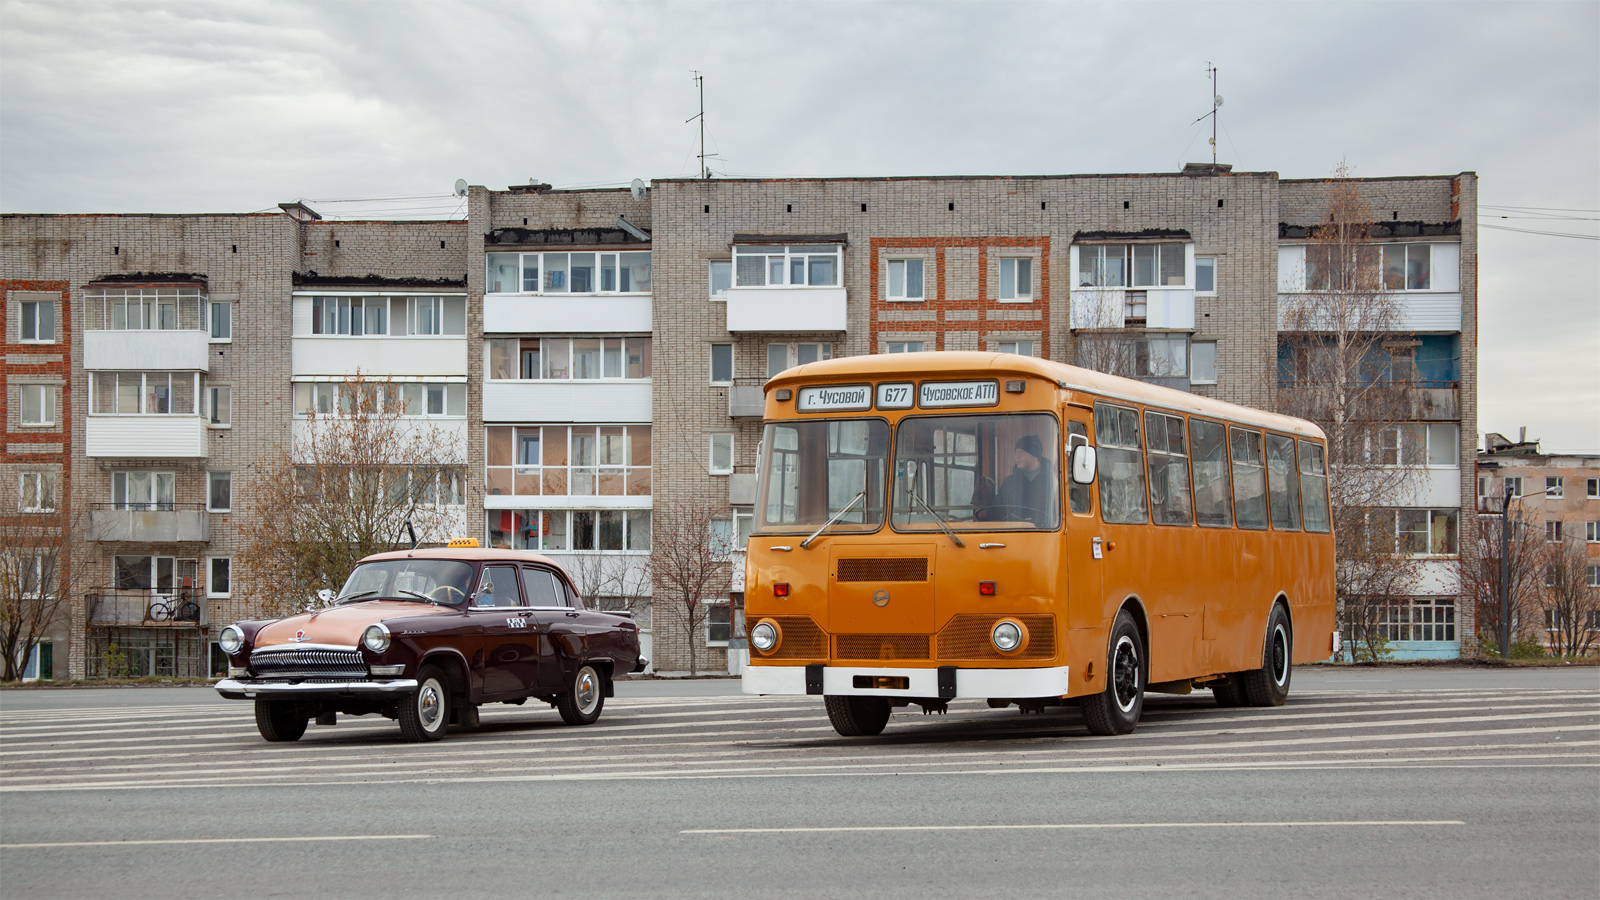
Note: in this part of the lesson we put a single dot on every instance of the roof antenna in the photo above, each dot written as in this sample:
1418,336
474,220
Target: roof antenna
406,525
700,82
1216,104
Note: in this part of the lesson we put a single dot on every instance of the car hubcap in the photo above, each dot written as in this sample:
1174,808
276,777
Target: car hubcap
588,690
430,705
1280,656
1125,674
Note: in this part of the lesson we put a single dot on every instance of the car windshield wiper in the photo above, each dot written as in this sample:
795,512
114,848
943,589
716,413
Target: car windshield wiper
806,544
421,596
356,596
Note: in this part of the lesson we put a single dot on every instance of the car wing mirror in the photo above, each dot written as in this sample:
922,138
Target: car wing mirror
1083,464
325,595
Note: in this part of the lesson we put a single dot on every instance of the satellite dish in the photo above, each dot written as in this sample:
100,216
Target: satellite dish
461,187
638,189
1219,100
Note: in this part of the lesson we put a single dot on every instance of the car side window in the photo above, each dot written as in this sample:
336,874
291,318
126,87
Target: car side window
500,587
544,588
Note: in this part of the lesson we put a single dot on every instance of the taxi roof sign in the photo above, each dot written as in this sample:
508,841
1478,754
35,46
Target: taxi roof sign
463,542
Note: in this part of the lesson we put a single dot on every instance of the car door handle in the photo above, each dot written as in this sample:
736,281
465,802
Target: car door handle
572,615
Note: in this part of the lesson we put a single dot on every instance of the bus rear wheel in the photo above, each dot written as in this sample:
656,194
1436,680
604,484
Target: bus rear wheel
1269,685
857,716
1116,709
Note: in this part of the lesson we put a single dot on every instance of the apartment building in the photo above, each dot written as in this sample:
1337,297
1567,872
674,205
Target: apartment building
599,354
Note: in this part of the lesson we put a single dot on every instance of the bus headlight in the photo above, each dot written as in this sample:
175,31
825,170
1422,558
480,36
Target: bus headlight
766,636
376,638
1009,636
231,640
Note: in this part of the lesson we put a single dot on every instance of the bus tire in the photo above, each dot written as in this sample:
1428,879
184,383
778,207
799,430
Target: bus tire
1269,685
1228,692
857,716
1116,709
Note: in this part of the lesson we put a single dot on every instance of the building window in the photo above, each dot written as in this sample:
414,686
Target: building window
1515,484
744,518
722,364
568,359
1016,279
570,530
219,404
219,577
1205,275
1203,362
219,321
1591,532
721,278
783,356
719,624
1021,348
1554,488
809,265
416,400
38,322
1420,532
1161,356
146,393
721,454
1132,265
37,492
1593,485
1592,579
1435,446
559,460
38,404
905,347
722,537
1422,619
219,491
436,316
569,273
1552,531
905,279
143,309
142,490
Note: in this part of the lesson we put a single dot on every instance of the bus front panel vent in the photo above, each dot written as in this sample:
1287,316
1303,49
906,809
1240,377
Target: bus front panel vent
880,646
902,568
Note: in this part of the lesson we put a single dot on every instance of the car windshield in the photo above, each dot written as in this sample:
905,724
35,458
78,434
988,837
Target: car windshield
815,469
979,472
441,580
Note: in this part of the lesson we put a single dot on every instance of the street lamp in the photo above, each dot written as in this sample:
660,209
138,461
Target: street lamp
1505,567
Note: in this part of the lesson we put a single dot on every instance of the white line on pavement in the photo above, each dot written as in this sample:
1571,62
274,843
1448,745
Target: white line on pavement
241,840
1076,826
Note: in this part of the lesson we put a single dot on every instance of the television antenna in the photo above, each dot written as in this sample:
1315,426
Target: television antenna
1216,104
700,82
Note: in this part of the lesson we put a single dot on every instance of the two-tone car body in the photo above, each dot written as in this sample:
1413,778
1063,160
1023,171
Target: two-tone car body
426,637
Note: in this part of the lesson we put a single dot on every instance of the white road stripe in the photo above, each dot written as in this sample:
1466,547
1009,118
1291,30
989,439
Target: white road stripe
240,840
1075,826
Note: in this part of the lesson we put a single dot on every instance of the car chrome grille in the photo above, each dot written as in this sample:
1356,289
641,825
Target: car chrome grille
308,664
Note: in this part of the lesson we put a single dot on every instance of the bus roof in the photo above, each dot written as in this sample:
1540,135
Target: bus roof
946,363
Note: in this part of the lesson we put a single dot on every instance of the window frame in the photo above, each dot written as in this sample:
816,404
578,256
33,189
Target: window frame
1212,265
788,253
905,296
209,408
211,580
1553,531
722,438
504,479
210,321
197,391
43,489
544,271
46,404
22,321
1555,487
711,607
1019,264
211,482
711,279
1193,356
711,359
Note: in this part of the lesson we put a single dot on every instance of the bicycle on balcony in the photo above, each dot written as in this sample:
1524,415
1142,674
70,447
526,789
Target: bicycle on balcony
174,609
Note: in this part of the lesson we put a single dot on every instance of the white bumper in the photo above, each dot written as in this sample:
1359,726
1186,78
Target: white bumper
923,683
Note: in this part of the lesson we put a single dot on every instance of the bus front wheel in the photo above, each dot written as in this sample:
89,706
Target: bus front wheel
1269,685
1116,709
857,716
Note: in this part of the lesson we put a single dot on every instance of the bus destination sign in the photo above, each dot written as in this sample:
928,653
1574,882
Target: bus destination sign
938,394
823,399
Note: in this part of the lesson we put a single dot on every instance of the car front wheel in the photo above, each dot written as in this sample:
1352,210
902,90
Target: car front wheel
279,720
581,703
425,715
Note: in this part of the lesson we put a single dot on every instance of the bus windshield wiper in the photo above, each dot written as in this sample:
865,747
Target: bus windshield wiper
806,544
356,596
937,518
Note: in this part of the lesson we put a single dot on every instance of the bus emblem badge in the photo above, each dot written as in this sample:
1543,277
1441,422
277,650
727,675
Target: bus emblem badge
881,598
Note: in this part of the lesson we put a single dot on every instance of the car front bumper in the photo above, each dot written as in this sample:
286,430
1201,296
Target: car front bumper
234,689
922,683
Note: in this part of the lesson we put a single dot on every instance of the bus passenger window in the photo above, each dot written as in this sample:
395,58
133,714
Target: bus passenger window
1314,486
1116,431
1169,469
1208,445
1249,488
1077,494
1282,485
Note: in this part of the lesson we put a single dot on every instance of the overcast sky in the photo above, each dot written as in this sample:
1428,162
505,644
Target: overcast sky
233,107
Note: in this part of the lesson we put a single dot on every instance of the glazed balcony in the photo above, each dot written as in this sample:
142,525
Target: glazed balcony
791,309
146,437
132,350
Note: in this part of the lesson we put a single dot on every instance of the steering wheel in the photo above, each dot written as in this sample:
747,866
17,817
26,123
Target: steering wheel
448,589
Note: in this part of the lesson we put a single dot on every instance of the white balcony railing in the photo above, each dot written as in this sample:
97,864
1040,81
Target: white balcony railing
797,309
153,523
1417,312
146,437
570,314
566,401
378,357
123,351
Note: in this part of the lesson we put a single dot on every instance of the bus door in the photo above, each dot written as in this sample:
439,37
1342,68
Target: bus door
1083,549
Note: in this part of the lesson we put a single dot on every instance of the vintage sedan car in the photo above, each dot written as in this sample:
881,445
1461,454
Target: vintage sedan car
426,637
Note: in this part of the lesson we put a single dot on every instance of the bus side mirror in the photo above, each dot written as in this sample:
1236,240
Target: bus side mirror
1083,464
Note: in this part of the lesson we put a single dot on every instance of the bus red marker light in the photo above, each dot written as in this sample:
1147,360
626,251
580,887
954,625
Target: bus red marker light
986,588
780,589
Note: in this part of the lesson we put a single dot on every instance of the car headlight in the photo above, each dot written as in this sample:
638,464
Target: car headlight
231,640
376,638
1008,636
765,636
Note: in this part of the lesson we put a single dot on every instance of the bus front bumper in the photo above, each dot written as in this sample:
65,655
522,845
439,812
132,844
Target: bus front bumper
946,682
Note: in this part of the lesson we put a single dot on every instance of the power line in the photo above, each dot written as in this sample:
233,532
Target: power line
1587,237
1546,208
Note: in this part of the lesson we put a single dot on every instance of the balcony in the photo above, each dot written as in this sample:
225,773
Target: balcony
443,432
742,489
747,399
794,309
378,357
1157,307
146,437
155,523
580,314
184,350
1419,404
567,401
109,607
1416,312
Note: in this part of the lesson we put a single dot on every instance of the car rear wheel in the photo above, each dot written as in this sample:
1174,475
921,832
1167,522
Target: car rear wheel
582,702
425,715
857,716
279,720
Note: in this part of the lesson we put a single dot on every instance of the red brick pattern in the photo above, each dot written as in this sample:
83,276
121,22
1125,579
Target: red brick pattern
984,304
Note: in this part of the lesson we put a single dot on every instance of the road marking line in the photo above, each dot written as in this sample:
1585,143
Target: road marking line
241,840
1076,826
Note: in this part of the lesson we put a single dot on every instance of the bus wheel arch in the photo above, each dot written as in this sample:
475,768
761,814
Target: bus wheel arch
1134,607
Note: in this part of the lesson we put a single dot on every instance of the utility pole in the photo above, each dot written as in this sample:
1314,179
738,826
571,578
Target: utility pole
1505,574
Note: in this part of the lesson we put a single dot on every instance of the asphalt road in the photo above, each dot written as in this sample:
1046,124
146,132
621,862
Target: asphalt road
1451,783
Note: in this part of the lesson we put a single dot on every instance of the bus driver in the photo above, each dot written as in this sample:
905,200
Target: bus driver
1028,493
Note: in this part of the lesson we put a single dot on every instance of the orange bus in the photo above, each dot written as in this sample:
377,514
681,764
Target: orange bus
935,526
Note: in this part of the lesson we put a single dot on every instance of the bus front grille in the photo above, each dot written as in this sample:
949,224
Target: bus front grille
904,568
802,639
881,646
967,638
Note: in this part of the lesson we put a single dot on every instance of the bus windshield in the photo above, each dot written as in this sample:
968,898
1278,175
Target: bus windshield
814,469
978,472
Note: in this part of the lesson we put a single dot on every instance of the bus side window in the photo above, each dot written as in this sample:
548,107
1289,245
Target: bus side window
1077,494
1168,454
1314,486
1116,434
1249,479
1208,447
1283,488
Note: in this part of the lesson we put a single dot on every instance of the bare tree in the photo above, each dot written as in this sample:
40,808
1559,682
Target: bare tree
689,567
610,582
1105,339
1570,606
1344,365
1481,568
43,564
355,474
